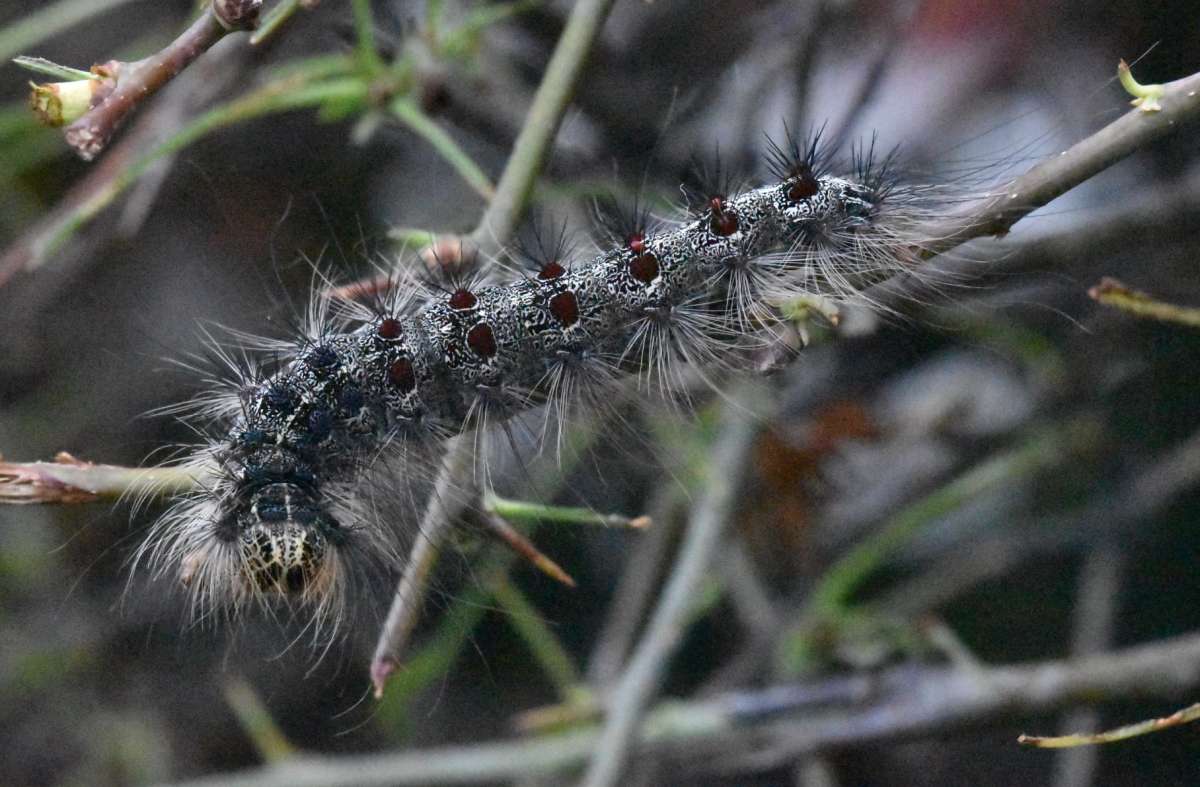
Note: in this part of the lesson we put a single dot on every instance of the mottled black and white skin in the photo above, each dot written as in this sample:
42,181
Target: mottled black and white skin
280,512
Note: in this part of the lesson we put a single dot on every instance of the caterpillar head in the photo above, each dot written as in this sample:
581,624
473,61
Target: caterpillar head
284,558
284,541
274,542
267,543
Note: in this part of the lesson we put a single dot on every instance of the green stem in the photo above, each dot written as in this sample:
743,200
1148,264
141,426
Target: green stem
274,19
406,110
848,574
256,721
287,94
541,641
1113,293
1146,96
364,31
527,511
537,134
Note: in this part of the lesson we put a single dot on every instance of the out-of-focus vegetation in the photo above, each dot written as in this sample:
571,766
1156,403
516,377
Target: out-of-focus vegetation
997,473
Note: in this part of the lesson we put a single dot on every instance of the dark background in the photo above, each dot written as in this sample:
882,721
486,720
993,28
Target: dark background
101,686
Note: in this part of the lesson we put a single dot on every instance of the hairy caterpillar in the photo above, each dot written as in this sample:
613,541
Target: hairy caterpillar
280,513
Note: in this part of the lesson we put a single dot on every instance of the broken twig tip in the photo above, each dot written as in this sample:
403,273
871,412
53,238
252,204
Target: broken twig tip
1145,97
381,670
641,522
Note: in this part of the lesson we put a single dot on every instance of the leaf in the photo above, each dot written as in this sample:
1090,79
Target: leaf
40,65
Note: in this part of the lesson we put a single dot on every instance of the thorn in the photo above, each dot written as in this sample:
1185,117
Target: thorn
1110,288
381,670
526,549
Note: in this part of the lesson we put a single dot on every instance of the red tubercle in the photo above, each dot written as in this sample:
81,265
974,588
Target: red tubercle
402,375
482,340
724,222
803,185
636,243
551,271
644,267
389,328
565,308
462,299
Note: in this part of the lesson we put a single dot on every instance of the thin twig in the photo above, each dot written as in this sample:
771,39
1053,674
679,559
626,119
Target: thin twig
779,723
138,81
628,700
1111,292
446,504
512,538
1070,742
277,17
533,144
1055,176
69,480
525,511
1096,605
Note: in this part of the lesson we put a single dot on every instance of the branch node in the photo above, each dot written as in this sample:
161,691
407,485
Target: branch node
237,14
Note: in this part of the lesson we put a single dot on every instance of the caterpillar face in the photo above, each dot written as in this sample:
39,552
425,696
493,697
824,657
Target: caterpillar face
284,540
284,558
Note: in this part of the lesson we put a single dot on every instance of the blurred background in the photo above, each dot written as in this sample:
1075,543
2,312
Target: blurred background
1082,539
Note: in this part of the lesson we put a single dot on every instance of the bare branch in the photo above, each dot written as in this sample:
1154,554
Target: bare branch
780,723
69,480
446,504
1113,293
1180,104
668,624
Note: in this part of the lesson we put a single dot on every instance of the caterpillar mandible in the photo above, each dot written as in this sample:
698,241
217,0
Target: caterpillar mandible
277,514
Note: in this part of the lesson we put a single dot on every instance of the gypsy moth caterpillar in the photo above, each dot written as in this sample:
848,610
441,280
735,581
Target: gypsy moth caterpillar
281,514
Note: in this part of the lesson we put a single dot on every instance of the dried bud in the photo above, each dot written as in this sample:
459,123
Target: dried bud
59,103
237,14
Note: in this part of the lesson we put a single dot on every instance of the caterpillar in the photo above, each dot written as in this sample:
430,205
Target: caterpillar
280,512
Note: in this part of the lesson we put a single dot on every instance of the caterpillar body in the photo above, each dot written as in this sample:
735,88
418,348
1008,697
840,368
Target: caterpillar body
279,514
